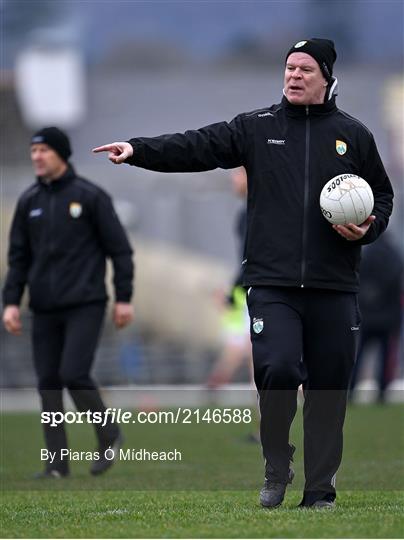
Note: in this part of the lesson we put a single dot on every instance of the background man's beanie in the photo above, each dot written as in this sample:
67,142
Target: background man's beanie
322,50
56,139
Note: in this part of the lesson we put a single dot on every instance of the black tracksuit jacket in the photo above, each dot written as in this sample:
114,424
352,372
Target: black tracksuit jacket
60,237
289,152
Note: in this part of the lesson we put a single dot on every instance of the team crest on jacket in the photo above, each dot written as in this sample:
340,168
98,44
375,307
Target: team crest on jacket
258,325
340,147
75,209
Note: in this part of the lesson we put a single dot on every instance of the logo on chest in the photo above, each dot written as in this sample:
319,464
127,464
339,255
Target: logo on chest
35,212
341,147
280,142
75,210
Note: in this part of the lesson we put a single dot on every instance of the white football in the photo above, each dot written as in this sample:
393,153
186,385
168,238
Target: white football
346,198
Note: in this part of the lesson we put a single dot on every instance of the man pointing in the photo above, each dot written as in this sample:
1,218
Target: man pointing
301,272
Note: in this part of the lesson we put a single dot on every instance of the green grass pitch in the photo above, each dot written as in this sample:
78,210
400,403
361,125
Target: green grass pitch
211,493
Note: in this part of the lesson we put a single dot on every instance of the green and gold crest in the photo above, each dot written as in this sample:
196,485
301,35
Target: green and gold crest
340,147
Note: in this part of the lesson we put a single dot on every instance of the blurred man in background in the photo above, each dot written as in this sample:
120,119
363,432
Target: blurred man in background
380,294
64,228
302,273
236,343
235,328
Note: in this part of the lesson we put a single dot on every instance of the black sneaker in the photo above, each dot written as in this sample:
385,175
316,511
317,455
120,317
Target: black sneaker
325,502
106,452
50,474
323,505
273,493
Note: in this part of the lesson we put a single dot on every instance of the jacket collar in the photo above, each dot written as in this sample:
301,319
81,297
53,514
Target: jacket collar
309,110
60,182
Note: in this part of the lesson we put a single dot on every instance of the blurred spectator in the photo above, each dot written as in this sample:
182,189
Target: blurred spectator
235,320
381,276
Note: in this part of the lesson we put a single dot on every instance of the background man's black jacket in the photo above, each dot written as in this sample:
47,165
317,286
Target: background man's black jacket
60,237
289,152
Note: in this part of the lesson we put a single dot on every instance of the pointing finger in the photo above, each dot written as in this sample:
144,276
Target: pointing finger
105,148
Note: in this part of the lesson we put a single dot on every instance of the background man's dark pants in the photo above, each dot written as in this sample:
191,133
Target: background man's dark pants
387,341
64,344
309,336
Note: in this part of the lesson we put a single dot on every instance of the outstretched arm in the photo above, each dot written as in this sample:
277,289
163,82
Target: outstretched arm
217,145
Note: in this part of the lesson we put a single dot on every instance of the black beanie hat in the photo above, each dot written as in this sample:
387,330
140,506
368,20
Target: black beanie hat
322,50
56,139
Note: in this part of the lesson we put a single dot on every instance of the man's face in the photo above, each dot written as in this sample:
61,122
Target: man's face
46,161
304,83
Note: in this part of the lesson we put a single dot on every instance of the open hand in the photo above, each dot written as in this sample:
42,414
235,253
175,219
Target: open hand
354,232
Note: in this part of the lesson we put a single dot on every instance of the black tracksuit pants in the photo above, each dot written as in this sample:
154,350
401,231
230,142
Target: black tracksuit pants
309,337
64,344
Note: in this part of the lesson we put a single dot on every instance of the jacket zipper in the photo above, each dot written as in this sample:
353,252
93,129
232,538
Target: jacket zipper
306,198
